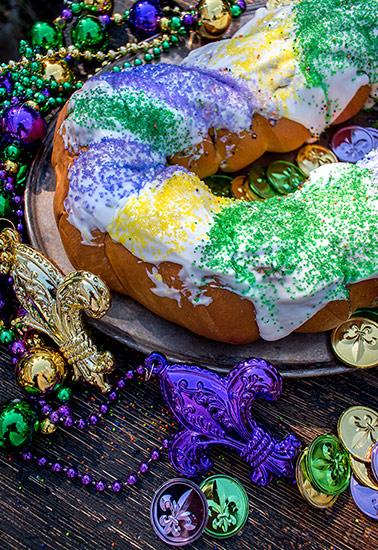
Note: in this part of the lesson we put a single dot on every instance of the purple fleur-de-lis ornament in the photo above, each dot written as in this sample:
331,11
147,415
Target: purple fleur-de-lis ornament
217,411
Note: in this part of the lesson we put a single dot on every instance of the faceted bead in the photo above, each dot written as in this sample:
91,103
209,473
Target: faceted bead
81,424
18,424
44,36
93,419
47,427
121,384
104,409
64,394
155,455
72,473
57,467
103,6
55,417
68,421
143,468
88,33
86,479
117,486
101,485
42,461
6,336
131,479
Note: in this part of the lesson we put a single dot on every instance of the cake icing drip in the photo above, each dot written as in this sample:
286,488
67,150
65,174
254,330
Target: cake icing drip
305,61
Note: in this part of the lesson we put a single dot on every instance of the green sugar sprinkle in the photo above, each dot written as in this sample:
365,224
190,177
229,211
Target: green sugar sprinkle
334,35
311,243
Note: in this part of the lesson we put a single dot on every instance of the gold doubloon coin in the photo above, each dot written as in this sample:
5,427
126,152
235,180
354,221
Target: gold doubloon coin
238,188
311,495
312,156
355,342
358,431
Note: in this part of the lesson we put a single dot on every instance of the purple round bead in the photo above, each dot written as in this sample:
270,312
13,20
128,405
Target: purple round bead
20,227
42,461
9,187
67,14
121,384
117,486
93,419
55,417
130,374
68,421
101,485
57,467
143,467
144,18
155,455
46,410
27,455
14,359
141,370
72,473
112,396
165,443
86,479
18,347
104,409
188,20
64,410
131,479
242,5
24,123
104,19
81,424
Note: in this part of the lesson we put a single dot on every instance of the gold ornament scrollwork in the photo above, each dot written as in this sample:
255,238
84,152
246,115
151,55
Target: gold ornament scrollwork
55,304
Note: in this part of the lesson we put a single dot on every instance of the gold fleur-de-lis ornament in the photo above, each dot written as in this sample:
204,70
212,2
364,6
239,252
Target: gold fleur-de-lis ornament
55,305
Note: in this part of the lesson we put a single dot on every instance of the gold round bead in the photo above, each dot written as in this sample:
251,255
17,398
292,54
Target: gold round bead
88,55
117,18
100,56
164,23
47,427
11,166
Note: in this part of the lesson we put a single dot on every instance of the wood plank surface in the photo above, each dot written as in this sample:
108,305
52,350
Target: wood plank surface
40,509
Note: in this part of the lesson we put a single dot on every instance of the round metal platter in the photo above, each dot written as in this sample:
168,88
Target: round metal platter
298,355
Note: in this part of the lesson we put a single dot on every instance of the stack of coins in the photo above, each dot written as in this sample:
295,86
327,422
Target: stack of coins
330,464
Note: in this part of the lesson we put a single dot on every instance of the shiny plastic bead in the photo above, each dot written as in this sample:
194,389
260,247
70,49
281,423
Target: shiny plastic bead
88,33
18,424
44,35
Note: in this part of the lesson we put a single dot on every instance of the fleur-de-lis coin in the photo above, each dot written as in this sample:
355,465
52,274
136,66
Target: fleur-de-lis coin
355,342
284,176
258,183
351,143
238,188
358,431
327,465
228,505
312,156
311,495
179,512
363,473
366,499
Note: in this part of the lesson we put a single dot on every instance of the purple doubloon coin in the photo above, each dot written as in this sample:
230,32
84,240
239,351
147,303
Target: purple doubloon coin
374,460
374,134
179,512
366,499
351,143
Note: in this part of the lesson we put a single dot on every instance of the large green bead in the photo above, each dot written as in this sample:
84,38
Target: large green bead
18,424
44,36
89,34
5,212
328,465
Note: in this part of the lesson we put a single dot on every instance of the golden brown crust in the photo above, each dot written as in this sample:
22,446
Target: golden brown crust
229,317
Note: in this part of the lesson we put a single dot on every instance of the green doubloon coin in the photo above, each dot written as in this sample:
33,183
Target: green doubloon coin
328,465
228,505
220,185
259,184
284,176
18,423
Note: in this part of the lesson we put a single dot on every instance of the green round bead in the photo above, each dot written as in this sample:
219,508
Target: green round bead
44,35
18,424
328,465
156,51
3,93
12,152
166,45
89,34
76,8
116,69
175,23
138,62
126,65
147,57
236,11
6,336
174,40
64,394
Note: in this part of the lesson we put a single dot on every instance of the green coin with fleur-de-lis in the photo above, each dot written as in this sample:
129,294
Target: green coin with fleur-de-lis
228,505
284,176
358,431
328,465
258,183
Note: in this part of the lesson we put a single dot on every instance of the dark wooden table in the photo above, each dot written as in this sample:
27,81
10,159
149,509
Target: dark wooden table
40,509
